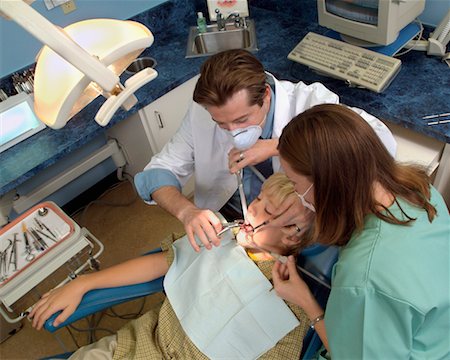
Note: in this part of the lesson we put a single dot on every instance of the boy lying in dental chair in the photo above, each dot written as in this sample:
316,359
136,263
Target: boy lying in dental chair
219,302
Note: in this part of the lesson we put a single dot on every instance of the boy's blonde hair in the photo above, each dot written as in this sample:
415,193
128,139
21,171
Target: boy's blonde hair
277,188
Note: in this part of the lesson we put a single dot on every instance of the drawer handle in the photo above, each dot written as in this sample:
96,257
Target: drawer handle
158,118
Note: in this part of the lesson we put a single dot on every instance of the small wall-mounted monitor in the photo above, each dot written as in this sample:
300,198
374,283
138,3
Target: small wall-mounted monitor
368,22
17,120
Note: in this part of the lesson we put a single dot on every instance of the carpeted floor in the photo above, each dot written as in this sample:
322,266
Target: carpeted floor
126,232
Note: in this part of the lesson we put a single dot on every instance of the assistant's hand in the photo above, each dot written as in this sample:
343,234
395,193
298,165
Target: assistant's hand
288,284
291,216
262,150
65,298
203,223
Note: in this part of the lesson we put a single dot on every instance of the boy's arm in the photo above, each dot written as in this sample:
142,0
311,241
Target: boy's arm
68,297
134,271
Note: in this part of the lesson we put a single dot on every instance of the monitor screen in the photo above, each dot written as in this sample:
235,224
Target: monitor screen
17,120
361,11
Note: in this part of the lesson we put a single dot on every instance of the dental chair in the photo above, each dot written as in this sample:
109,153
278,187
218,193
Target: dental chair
315,264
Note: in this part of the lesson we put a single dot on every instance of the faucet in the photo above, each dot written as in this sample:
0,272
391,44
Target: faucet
239,22
221,22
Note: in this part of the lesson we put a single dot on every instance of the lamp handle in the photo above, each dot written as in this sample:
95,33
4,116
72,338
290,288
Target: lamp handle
111,104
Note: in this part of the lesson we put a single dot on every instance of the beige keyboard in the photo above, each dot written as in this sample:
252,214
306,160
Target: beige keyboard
355,65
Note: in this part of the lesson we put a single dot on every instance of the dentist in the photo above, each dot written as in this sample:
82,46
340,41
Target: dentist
238,113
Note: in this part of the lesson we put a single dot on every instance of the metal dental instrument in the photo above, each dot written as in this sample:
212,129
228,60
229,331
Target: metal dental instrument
37,244
28,249
43,226
4,267
257,173
229,226
242,194
3,275
39,239
435,116
13,254
260,225
312,276
281,258
437,119
44,234
446,121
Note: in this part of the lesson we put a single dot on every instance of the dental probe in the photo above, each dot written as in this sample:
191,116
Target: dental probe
261,225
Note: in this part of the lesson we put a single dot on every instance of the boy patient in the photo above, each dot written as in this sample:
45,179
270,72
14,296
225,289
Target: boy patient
160,333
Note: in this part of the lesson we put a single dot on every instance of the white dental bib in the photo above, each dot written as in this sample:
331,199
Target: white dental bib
224,302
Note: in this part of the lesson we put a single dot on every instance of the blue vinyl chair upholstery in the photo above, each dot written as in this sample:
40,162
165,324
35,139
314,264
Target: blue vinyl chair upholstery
101,299
317,259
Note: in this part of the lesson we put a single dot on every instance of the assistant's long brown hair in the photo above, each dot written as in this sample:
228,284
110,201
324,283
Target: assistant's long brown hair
342,155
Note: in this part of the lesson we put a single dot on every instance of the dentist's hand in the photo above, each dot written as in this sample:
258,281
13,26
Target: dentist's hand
203,223
262,150
65,298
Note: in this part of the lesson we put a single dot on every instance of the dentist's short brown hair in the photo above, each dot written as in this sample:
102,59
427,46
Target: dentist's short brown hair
228,72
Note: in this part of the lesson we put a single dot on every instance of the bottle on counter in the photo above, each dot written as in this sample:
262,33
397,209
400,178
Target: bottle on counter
201,22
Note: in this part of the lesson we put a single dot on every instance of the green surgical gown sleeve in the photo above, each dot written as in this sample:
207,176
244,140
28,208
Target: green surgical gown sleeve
371,325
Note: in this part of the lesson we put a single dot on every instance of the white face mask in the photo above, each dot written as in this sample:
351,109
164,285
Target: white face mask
306,203
244,138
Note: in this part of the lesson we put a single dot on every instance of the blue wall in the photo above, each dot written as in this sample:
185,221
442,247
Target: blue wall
19,49
434,11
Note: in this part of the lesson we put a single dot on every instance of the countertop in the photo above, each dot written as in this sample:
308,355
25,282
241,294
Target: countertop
421,88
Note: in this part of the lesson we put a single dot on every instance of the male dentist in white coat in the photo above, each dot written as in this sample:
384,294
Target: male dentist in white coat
235,120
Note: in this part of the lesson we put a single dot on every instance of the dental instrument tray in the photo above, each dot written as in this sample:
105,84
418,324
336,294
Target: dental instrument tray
42,249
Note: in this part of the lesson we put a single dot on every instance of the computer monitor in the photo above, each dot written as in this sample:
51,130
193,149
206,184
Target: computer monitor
368,22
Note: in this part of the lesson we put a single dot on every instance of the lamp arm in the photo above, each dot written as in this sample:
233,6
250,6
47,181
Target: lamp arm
55,38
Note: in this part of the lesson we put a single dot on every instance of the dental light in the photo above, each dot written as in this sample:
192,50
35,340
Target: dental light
82,61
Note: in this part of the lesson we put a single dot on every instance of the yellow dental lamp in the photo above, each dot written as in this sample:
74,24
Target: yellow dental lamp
82,61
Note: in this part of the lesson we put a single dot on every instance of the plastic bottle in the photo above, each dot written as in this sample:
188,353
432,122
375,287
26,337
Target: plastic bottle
201,22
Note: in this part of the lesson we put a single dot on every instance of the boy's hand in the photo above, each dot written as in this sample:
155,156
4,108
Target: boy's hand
65,298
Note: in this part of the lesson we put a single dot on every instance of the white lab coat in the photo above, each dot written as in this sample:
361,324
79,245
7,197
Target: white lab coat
201,148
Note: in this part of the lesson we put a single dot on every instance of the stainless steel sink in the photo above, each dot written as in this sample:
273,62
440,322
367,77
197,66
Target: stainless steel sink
213,41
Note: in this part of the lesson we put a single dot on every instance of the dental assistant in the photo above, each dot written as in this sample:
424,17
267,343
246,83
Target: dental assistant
237,116
390,287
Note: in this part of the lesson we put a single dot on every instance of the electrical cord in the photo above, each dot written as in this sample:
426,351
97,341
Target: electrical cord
72,336
84,209
128,316
416,42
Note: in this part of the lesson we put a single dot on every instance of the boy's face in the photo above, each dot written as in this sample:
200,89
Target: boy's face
268,238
